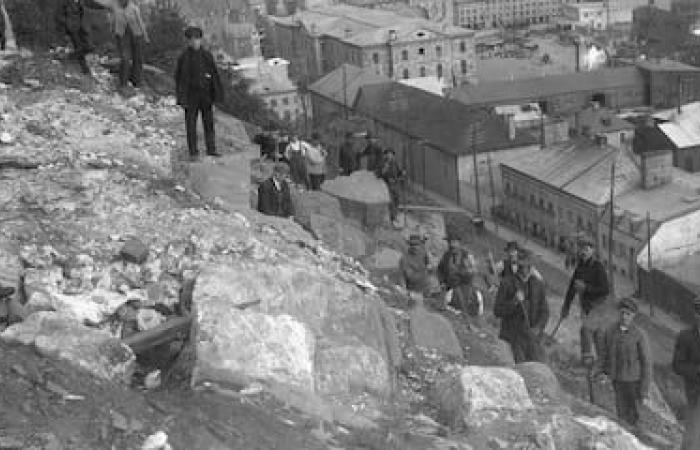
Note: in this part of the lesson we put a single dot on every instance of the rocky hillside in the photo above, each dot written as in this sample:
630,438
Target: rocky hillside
151,298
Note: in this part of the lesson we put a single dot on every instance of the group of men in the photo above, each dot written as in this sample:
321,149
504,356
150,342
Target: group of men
618,351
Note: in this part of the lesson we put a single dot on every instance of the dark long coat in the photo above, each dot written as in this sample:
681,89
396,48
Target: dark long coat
189,78
273,201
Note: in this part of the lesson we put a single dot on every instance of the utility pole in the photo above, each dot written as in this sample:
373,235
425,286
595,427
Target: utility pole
345,92
611,241
542,142
680,92
493,191
648,296
476,170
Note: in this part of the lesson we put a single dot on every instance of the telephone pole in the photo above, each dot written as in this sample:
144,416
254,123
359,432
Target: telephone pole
611,241
493,191
648,295
476,169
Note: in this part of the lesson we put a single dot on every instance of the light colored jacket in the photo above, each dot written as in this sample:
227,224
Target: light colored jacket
316,159
128,16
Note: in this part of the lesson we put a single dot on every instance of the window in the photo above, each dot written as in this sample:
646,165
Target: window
438,51
421,51
604,241
287,115
273,103
463,66
570,216
439,70
404,55
285,101
375,58
405,74
532,199
541,203
422,71
462,46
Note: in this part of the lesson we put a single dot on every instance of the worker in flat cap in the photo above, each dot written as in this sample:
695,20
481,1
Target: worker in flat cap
198,87
626,360
686,357
274,195
521,304
589,283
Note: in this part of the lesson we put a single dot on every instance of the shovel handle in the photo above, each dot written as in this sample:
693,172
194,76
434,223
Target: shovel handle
556,328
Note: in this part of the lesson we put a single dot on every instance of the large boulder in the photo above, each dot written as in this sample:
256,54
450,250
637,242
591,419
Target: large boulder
339,236
59,336
363,197
475,395
308,203
313,331
432,331
542,384
10,276
605,434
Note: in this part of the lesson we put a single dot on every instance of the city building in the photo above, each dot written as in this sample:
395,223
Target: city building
681,127
398,47
334,94
270,81
477,15
654,83
587,16
433,139
562,190
596,123
239,40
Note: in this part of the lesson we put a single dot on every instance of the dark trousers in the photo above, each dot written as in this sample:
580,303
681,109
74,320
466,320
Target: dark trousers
81,46
3,41
316,180
130,46
394,193
527,348
627,398
191,115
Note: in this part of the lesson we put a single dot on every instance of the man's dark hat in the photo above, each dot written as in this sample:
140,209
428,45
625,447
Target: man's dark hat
584,241
414,239
512,245
629,304
389,150
193,32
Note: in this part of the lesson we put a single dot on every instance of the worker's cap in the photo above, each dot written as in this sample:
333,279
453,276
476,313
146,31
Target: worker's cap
193,32
586,241
512,245
415,239
524,256
389,150
628,304
280,168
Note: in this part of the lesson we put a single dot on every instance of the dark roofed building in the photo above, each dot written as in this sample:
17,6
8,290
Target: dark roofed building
669,82
431,134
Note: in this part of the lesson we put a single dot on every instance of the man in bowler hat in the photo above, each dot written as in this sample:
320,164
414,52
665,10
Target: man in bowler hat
198,87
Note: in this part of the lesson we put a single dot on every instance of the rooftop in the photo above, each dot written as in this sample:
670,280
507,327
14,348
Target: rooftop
666,65
429,84
509,91
650,139
582,169
603,120
365,27
683,129
662,203
440,122
331,85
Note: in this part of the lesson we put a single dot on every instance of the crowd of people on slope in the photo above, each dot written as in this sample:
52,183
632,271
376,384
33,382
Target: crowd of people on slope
304,163
618,351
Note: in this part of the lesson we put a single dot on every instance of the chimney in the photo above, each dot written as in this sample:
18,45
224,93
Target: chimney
348,32
510,120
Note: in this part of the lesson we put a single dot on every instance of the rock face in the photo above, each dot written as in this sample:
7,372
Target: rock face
59,336
308,203
289,324
224,183
363,197
339,236
607,435
542,384
431,330
476,395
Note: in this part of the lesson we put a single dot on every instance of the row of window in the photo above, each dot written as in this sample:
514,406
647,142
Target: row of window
540,203
439,72
421,52
285,101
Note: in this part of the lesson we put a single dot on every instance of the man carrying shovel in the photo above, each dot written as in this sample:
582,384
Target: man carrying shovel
589,283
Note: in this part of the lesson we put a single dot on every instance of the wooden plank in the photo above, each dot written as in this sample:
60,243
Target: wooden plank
161,334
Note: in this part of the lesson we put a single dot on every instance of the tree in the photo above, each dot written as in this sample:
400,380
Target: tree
240,103
166,29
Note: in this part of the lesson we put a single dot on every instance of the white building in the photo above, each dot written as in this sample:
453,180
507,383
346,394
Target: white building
588,15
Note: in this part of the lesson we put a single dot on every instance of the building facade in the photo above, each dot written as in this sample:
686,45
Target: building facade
478,15
319,41
588,15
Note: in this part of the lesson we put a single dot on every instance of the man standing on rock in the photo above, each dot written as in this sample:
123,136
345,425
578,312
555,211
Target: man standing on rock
70,18
316,162
348,156
392,175
686,358
274,196
589,283
626,359
413,267
130,33
521,304
198,87
373,153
